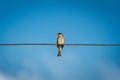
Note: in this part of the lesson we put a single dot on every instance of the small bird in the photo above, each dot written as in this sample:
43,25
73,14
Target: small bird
60,43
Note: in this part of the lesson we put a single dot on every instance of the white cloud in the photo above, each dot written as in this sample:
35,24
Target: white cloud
20,76
110,71
5,77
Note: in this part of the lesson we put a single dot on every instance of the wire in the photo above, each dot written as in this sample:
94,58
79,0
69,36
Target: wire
51,44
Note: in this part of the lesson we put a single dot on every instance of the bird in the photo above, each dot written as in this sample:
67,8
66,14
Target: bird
60,43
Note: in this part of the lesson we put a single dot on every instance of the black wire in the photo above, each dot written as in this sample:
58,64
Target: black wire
51,44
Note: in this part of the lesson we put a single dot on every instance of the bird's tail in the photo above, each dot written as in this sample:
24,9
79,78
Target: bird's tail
59,52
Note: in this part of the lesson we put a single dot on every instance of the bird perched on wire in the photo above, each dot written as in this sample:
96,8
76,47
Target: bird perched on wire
60,43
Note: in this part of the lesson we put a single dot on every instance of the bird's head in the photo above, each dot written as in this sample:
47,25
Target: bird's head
59,33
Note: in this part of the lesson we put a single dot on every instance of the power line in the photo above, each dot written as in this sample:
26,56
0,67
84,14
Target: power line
51,44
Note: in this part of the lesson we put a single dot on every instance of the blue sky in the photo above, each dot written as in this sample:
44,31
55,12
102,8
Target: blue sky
33,21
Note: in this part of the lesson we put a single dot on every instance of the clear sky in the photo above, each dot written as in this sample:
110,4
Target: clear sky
39,21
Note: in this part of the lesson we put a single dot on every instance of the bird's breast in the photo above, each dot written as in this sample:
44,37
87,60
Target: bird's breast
60,40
